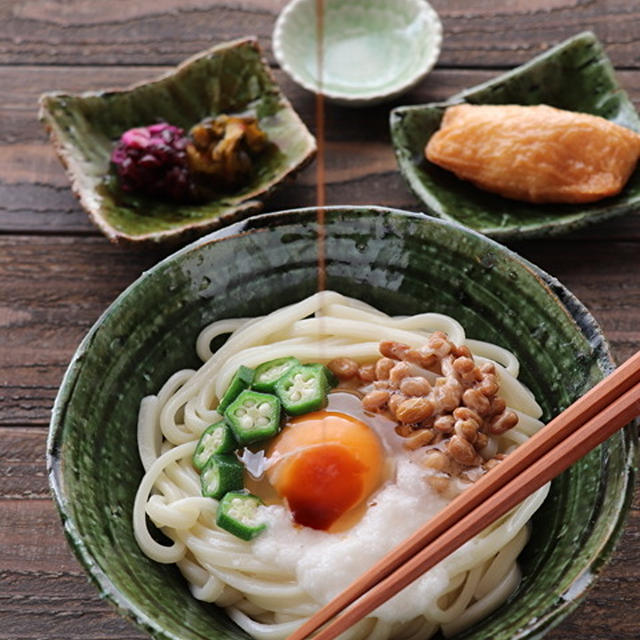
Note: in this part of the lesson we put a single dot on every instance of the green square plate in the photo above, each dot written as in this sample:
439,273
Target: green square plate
575,75
229,78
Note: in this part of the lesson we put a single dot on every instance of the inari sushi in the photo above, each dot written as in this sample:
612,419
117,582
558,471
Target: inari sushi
535,153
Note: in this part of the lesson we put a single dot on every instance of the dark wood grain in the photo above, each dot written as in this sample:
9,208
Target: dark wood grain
45,593
57,273
479,33
22,473
52,290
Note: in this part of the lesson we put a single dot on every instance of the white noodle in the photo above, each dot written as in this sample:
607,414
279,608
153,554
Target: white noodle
263,593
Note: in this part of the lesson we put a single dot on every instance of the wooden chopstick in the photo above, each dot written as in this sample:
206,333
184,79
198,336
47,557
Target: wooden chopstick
578,444
611,404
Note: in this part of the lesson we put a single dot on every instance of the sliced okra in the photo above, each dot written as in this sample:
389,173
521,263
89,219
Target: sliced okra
222,473
241,380
216,438
268,373
253,417
238,514
303,389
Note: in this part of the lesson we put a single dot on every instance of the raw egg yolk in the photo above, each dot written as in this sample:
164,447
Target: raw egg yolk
326,464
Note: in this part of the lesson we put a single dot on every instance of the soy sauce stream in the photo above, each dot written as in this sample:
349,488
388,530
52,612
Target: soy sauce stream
320,174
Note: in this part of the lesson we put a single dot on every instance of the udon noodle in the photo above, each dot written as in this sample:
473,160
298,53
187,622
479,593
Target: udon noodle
271,584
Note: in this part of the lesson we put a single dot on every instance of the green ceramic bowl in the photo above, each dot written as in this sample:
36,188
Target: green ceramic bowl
577,76
232,78
371,50
400,262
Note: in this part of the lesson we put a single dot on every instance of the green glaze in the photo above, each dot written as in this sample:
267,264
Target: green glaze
577,76
400,262
230,78
372,50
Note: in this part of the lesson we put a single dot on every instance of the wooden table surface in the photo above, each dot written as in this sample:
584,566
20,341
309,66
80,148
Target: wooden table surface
57,273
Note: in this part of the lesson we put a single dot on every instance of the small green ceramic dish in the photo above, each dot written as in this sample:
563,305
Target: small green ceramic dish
400,262
371,50
232,78
577,76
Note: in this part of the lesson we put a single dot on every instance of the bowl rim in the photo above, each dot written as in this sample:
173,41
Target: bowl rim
361,99
567,301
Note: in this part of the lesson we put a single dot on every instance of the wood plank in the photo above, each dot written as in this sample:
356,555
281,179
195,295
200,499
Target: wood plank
51,291
145,32
33,540
361,167
477,33
53,288
23,474
45,593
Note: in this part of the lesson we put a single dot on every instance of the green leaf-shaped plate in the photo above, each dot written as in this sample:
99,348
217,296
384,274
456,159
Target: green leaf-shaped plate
402,263
229,78
577,76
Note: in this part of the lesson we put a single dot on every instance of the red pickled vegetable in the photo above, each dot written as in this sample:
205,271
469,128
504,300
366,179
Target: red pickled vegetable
153,160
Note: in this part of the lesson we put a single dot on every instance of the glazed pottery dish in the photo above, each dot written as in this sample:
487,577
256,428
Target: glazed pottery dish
398,262
360,52
575,76
232,79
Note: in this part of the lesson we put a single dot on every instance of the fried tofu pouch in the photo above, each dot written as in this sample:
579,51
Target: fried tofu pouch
537,153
